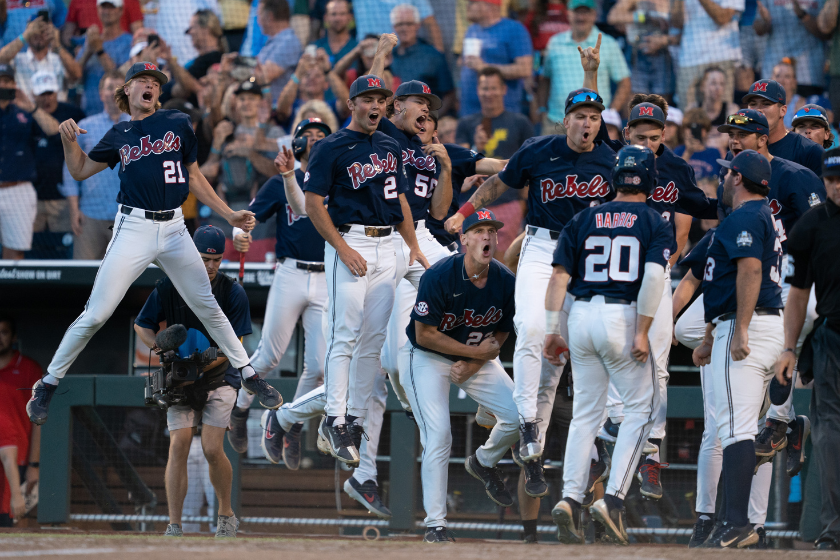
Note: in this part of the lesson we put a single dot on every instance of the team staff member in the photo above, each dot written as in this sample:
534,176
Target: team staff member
211,398
608,333
299,288
811,121
156,152
362,172
813,246
462,316
742,300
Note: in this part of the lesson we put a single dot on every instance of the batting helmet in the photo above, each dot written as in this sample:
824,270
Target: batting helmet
299,143
635,168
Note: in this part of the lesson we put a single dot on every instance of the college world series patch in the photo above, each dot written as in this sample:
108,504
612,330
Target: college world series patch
422,308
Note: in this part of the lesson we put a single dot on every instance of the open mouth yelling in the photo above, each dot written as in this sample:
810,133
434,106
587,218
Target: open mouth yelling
485,251
421,123
373,118
147,96
586,135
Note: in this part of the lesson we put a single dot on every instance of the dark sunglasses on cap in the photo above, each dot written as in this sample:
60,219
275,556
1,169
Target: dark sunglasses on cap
585,96
806,113
741,120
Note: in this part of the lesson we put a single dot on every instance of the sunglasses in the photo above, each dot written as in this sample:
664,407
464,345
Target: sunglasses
741,120
585,96
806,113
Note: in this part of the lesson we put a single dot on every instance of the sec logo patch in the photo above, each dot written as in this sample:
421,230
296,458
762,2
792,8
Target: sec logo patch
422,308
666,254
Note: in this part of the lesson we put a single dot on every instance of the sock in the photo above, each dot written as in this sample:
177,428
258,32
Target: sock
738,464
335,420
706,516
614,501
530,526
658,443
572,501
350,418
51,379
247,371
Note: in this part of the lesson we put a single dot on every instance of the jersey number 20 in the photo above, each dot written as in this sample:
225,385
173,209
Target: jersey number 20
391,187
606,265
169,169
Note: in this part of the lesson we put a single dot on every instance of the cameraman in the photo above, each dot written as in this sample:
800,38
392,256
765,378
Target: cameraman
212,397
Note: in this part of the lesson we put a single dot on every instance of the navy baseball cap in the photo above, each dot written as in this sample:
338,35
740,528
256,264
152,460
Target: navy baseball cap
582,97
748,120
647,112
8,71
811,113
314,122
140,68
420,89
480,217
249,87
366,84
768,89
751,165
831,163
635,168
209,239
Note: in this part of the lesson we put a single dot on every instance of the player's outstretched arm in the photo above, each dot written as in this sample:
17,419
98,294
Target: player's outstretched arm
202,190
406,229
590,59
684,292
79,165
555,295
387,42
489,166
442,196
489,191
284,163
649,298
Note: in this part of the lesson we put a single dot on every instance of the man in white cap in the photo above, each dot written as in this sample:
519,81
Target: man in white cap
673,124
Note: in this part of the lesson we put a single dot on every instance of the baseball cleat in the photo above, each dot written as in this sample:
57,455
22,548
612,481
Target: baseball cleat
801,429
291,447
531,539
603,454
517,458
702,529
762,539
367,494
597,473
485,418
438,535
566,516
609,431
356,432
729,536
772,438
173,530
226,527
268,396
238,433
39,404
272,436
339,444
650,485
535,485
613,520
529,441
492,480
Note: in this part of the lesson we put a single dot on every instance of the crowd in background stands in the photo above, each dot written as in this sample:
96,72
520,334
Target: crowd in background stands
247,71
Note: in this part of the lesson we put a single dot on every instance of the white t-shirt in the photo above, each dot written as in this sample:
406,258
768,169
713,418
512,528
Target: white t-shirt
703,41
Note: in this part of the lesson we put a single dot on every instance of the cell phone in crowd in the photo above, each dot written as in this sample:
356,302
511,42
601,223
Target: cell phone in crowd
248,61
45,15
310,50
7,94
153,40
696,131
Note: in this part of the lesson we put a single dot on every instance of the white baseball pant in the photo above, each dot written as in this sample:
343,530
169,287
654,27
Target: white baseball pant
137,243
426,382
600,339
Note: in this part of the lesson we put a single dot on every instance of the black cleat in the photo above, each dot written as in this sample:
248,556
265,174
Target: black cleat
268,396
650,485
339,442
796,445
603,454
367,494
762,539
291,447
438,535
702,529
729,536
613,520
238,433
356,432
529,441
492,480
272,437
531,539
535,485
826,543
772,438
597,473
566,515
39,405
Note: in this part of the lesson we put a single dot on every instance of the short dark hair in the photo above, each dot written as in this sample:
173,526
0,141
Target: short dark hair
279,9
754,187
6,318
628,190
657,100
492,71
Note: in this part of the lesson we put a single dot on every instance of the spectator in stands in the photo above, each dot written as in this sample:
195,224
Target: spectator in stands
310,82
672,135
701,157
53,212
563,73
16,15
254,39
710,99
102,51
415,59
45,54
20,440
811,121
373,17
315,109
496,41
19,131
827,22
612,120
82,14
544,20
337,42
235,20
710,37
205,30
282,50
93,202
359,60
447,127
171,21
752,49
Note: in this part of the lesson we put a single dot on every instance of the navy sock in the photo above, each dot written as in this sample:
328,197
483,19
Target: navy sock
738,466
330,420
530,526
656,441
613,501
573,502
350,419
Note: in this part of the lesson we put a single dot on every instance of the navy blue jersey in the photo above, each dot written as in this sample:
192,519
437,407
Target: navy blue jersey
695,260
562,181
153,155
297,237
463,166
422,172
748,232
604,249
448,300
798,149
362,174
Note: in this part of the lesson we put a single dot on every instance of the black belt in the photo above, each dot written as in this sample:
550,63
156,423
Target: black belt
452,247
370,231
161,216
607,300
309,267
532,230
758,311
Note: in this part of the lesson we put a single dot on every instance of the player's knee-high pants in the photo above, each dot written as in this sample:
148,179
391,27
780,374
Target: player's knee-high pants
425,378
600,339
357,314
135,244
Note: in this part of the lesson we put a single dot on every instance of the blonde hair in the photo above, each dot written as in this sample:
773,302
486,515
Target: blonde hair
210,21
121,98
321,108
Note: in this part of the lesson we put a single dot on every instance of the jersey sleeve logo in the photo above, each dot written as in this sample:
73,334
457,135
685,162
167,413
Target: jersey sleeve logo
813,200
744,239
669,193
170,143
306,177
597,187
374,83
422,308
359,173
666,254
775,207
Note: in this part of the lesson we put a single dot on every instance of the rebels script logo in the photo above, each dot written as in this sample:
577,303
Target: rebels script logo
424,163
359,173
598,186
669,193
470,319
291,217
170,143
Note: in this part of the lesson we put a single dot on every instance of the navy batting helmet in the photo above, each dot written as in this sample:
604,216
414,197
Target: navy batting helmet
635,168
299,143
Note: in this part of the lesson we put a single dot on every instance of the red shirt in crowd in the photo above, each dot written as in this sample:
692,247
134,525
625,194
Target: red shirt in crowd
83,14
556,21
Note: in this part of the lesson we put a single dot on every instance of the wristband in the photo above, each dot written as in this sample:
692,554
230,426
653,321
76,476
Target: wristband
552,322
288,173
22,40
100,52
295,79
35,464
466,210
215,151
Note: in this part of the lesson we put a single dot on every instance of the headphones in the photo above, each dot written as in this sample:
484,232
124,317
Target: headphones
300,142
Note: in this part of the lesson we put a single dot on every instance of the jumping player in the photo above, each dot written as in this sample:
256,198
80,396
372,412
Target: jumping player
615,256
156,152
462,316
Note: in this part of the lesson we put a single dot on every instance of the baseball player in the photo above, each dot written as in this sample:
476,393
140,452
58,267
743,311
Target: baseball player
566,174
462,316
615,256
361,170
811,121
742,299
156,152
299,288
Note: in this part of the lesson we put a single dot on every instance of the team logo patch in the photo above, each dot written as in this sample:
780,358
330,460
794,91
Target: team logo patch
306,177
813,200
775,207
666,254
211,250
630,160
422,308
744,239
426,89
374,83
760,87
645,111
150,66
483,215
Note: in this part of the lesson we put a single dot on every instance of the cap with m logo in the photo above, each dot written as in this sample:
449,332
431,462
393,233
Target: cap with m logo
419,89
481,217
768,89
368,84
647,112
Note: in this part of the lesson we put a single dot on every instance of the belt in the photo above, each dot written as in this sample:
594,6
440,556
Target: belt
370,231
304,265
160,216
612,300
532,230
4,184
758,311
419,223
452,247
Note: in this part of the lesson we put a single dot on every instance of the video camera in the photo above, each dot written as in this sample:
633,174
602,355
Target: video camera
165,386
